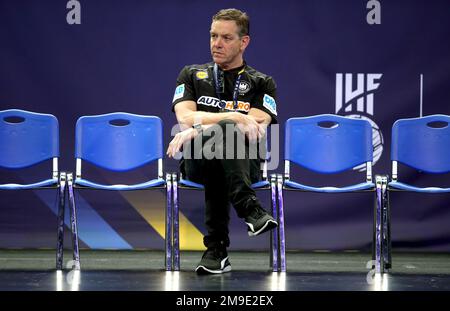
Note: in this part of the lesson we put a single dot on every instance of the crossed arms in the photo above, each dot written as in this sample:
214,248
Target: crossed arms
253,124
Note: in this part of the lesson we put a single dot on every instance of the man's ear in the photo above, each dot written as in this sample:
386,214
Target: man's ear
245,41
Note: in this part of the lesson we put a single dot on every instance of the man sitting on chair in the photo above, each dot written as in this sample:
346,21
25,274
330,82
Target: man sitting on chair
209,99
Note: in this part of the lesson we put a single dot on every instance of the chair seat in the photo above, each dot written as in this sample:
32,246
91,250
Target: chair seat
260,184
146,185
43,183
362,186
402,186
192,184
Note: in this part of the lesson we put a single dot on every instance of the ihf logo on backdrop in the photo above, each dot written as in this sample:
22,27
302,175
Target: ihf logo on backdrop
355,99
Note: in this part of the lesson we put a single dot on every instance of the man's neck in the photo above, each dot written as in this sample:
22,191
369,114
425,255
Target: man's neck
229,67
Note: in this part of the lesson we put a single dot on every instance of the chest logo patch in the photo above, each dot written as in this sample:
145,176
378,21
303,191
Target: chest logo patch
200,75
244,87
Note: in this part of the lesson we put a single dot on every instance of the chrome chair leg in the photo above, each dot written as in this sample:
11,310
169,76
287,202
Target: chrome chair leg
386,219
176,224
274,233
73,223
378,229
282,245
169,218
60,220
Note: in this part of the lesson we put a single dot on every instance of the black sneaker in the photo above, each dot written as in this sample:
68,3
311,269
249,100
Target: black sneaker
259,221
214,260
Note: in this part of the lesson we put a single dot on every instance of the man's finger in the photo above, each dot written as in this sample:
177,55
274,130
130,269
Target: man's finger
261,131
174,144
169,149
253,133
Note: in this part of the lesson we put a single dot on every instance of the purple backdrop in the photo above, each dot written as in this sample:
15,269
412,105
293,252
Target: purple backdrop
126,55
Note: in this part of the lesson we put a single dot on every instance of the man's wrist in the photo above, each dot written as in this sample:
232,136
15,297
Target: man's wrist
197,127
236,116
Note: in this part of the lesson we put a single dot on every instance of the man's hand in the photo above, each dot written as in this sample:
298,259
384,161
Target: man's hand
251,126
179,140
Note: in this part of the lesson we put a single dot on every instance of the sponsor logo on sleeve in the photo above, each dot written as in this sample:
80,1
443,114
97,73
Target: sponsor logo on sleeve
179,92
270,104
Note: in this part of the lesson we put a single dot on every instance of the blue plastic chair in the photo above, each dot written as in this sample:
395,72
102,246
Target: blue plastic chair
422,144
119,142
327,144
179,182
28,139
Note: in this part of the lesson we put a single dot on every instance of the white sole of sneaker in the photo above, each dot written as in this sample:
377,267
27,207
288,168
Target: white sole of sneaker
226,269
221,270
251,233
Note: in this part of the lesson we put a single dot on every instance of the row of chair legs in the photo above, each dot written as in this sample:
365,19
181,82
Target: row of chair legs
277,241
381,240
381,253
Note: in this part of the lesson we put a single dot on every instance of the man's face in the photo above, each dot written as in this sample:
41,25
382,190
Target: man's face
226,45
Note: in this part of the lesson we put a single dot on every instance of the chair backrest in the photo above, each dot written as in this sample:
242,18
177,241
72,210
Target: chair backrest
119,141
422,143
27,138
328,143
